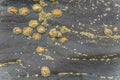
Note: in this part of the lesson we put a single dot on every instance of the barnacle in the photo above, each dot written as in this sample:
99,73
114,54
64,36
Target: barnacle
41,29
17,30
115,29
48,16
40,50
43,4
45,71
36,36
64,40
27,31
64,29
24,11
54,33
37,8
42,15
107,32
33,23
57,13
12,10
